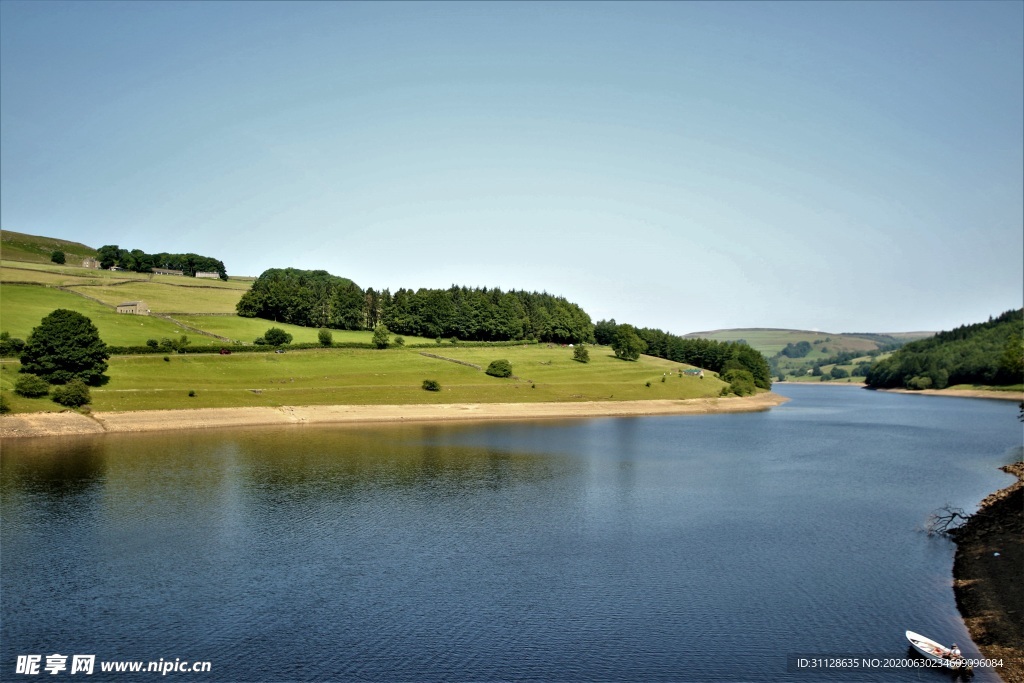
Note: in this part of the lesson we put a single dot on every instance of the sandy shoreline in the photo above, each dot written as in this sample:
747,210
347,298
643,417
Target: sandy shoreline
963,393
987,574
69,423
959,393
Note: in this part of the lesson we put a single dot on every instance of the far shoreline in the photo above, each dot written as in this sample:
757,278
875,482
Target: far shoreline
69,423
1017,396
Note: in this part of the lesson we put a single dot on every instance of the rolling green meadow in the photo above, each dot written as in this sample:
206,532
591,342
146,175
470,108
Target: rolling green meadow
204,311
371,376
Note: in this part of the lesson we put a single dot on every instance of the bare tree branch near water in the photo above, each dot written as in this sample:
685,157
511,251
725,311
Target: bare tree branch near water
945,520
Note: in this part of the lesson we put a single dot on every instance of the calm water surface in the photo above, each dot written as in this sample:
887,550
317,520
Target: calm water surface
703,548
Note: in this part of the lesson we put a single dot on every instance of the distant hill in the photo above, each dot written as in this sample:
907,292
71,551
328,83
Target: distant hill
797,352
17,246
771,341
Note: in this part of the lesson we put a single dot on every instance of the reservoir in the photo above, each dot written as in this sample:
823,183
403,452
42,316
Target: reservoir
682,548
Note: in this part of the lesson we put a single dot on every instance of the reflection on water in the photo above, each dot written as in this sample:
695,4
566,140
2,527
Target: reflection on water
610,549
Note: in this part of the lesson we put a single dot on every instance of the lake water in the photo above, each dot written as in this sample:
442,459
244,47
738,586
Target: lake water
703,548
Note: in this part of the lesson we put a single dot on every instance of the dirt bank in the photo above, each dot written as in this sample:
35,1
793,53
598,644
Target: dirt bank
56,424
988,576
963,393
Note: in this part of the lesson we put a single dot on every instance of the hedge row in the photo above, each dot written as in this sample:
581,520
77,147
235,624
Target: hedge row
252,348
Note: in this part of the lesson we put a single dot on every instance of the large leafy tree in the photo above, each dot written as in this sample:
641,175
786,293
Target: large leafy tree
347,307
65,346
628,345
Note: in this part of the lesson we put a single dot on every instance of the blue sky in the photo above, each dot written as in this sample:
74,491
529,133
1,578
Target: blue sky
689,166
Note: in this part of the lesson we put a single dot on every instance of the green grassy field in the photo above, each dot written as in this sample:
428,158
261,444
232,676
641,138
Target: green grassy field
162,297
58,276
24,306
357,376
245,330
296,377
30,291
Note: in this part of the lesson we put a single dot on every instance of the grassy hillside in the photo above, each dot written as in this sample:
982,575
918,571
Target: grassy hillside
24,306
31,290
357,376
245,330
185,306
31,287
166,297
16,246
772,341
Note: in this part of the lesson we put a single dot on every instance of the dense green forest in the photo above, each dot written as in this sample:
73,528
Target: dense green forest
318,299
717,356
139,261
990,353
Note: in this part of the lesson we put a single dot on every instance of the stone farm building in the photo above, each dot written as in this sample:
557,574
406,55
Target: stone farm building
212,276
133,307
90,262
166,271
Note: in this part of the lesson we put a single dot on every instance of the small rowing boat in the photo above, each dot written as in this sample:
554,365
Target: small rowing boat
936,652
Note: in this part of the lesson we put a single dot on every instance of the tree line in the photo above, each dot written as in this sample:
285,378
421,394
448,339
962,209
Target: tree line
990,353
315,298
710,354
138,261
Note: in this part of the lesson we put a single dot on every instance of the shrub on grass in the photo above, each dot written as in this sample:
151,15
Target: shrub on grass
73,394
499,368
381,337
325,337
275,336
431,385
581,354
31,386
4,407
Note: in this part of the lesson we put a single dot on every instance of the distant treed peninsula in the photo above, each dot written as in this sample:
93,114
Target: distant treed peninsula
988,353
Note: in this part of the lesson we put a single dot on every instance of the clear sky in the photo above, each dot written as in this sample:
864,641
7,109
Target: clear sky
843,166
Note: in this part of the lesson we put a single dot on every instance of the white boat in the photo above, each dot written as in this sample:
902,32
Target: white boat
936,651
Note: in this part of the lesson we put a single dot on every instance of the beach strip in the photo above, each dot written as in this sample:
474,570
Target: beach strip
70,422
